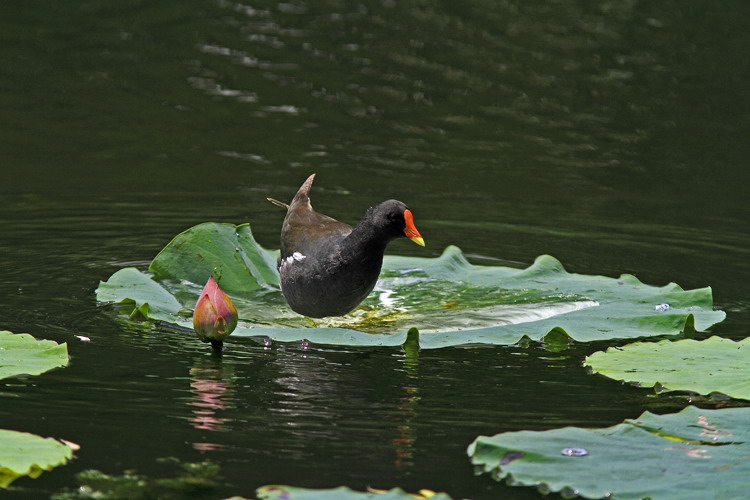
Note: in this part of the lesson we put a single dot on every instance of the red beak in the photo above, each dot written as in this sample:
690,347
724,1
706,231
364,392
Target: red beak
411,230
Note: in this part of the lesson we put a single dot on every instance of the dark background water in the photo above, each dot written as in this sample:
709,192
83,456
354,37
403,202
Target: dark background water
612,135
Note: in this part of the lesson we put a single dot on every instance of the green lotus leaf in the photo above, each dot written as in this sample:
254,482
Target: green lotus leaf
129,286
23,454
228,252
448,300
712,365
22,354
330,336
273,492
693,454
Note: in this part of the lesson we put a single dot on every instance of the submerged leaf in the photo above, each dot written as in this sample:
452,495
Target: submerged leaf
192,480
449,300
23,454
22,354
712,365
693,454
274,492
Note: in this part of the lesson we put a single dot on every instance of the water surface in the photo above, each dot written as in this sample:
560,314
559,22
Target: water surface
610,135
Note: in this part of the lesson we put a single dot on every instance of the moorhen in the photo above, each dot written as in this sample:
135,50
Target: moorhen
327,267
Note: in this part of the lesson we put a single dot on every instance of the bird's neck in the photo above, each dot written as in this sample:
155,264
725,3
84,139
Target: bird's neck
365,240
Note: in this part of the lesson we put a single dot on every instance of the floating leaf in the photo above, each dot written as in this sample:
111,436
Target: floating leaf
228,252
449,300
693,454
274,492
585,308
23,454
22,354
129,286
712,365
324,335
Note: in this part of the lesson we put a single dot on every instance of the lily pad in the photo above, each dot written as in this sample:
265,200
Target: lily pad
228,252
449,300
23,454
129,286
693,454
712,365
273,492
22,354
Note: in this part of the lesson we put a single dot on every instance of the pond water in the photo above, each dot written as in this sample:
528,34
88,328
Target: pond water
611,135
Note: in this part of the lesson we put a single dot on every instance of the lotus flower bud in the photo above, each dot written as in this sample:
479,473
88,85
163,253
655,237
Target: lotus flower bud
215,316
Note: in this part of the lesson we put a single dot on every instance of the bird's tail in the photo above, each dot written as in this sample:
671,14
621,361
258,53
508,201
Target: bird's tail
304,190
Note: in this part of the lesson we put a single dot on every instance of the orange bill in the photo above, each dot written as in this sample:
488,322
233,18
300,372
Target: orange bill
411,230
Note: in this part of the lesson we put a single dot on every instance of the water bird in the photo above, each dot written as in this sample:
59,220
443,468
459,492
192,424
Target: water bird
327,267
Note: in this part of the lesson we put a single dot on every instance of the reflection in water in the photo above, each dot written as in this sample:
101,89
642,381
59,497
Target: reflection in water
213,393
209,393
302,397
406,408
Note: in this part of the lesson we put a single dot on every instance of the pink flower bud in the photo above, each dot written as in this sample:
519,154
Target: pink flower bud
215,316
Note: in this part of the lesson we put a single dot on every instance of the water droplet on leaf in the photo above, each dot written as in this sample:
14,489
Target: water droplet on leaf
574,452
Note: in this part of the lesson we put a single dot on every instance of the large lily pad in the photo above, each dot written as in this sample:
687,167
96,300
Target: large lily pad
22,354
449,300
23,454
273,492
712,365
693,454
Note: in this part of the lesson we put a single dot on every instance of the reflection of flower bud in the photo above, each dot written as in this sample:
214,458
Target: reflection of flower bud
215,316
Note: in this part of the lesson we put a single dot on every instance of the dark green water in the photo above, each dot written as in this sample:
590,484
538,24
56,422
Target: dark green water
612,135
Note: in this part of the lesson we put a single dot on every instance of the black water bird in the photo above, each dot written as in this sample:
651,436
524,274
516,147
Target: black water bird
327,267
